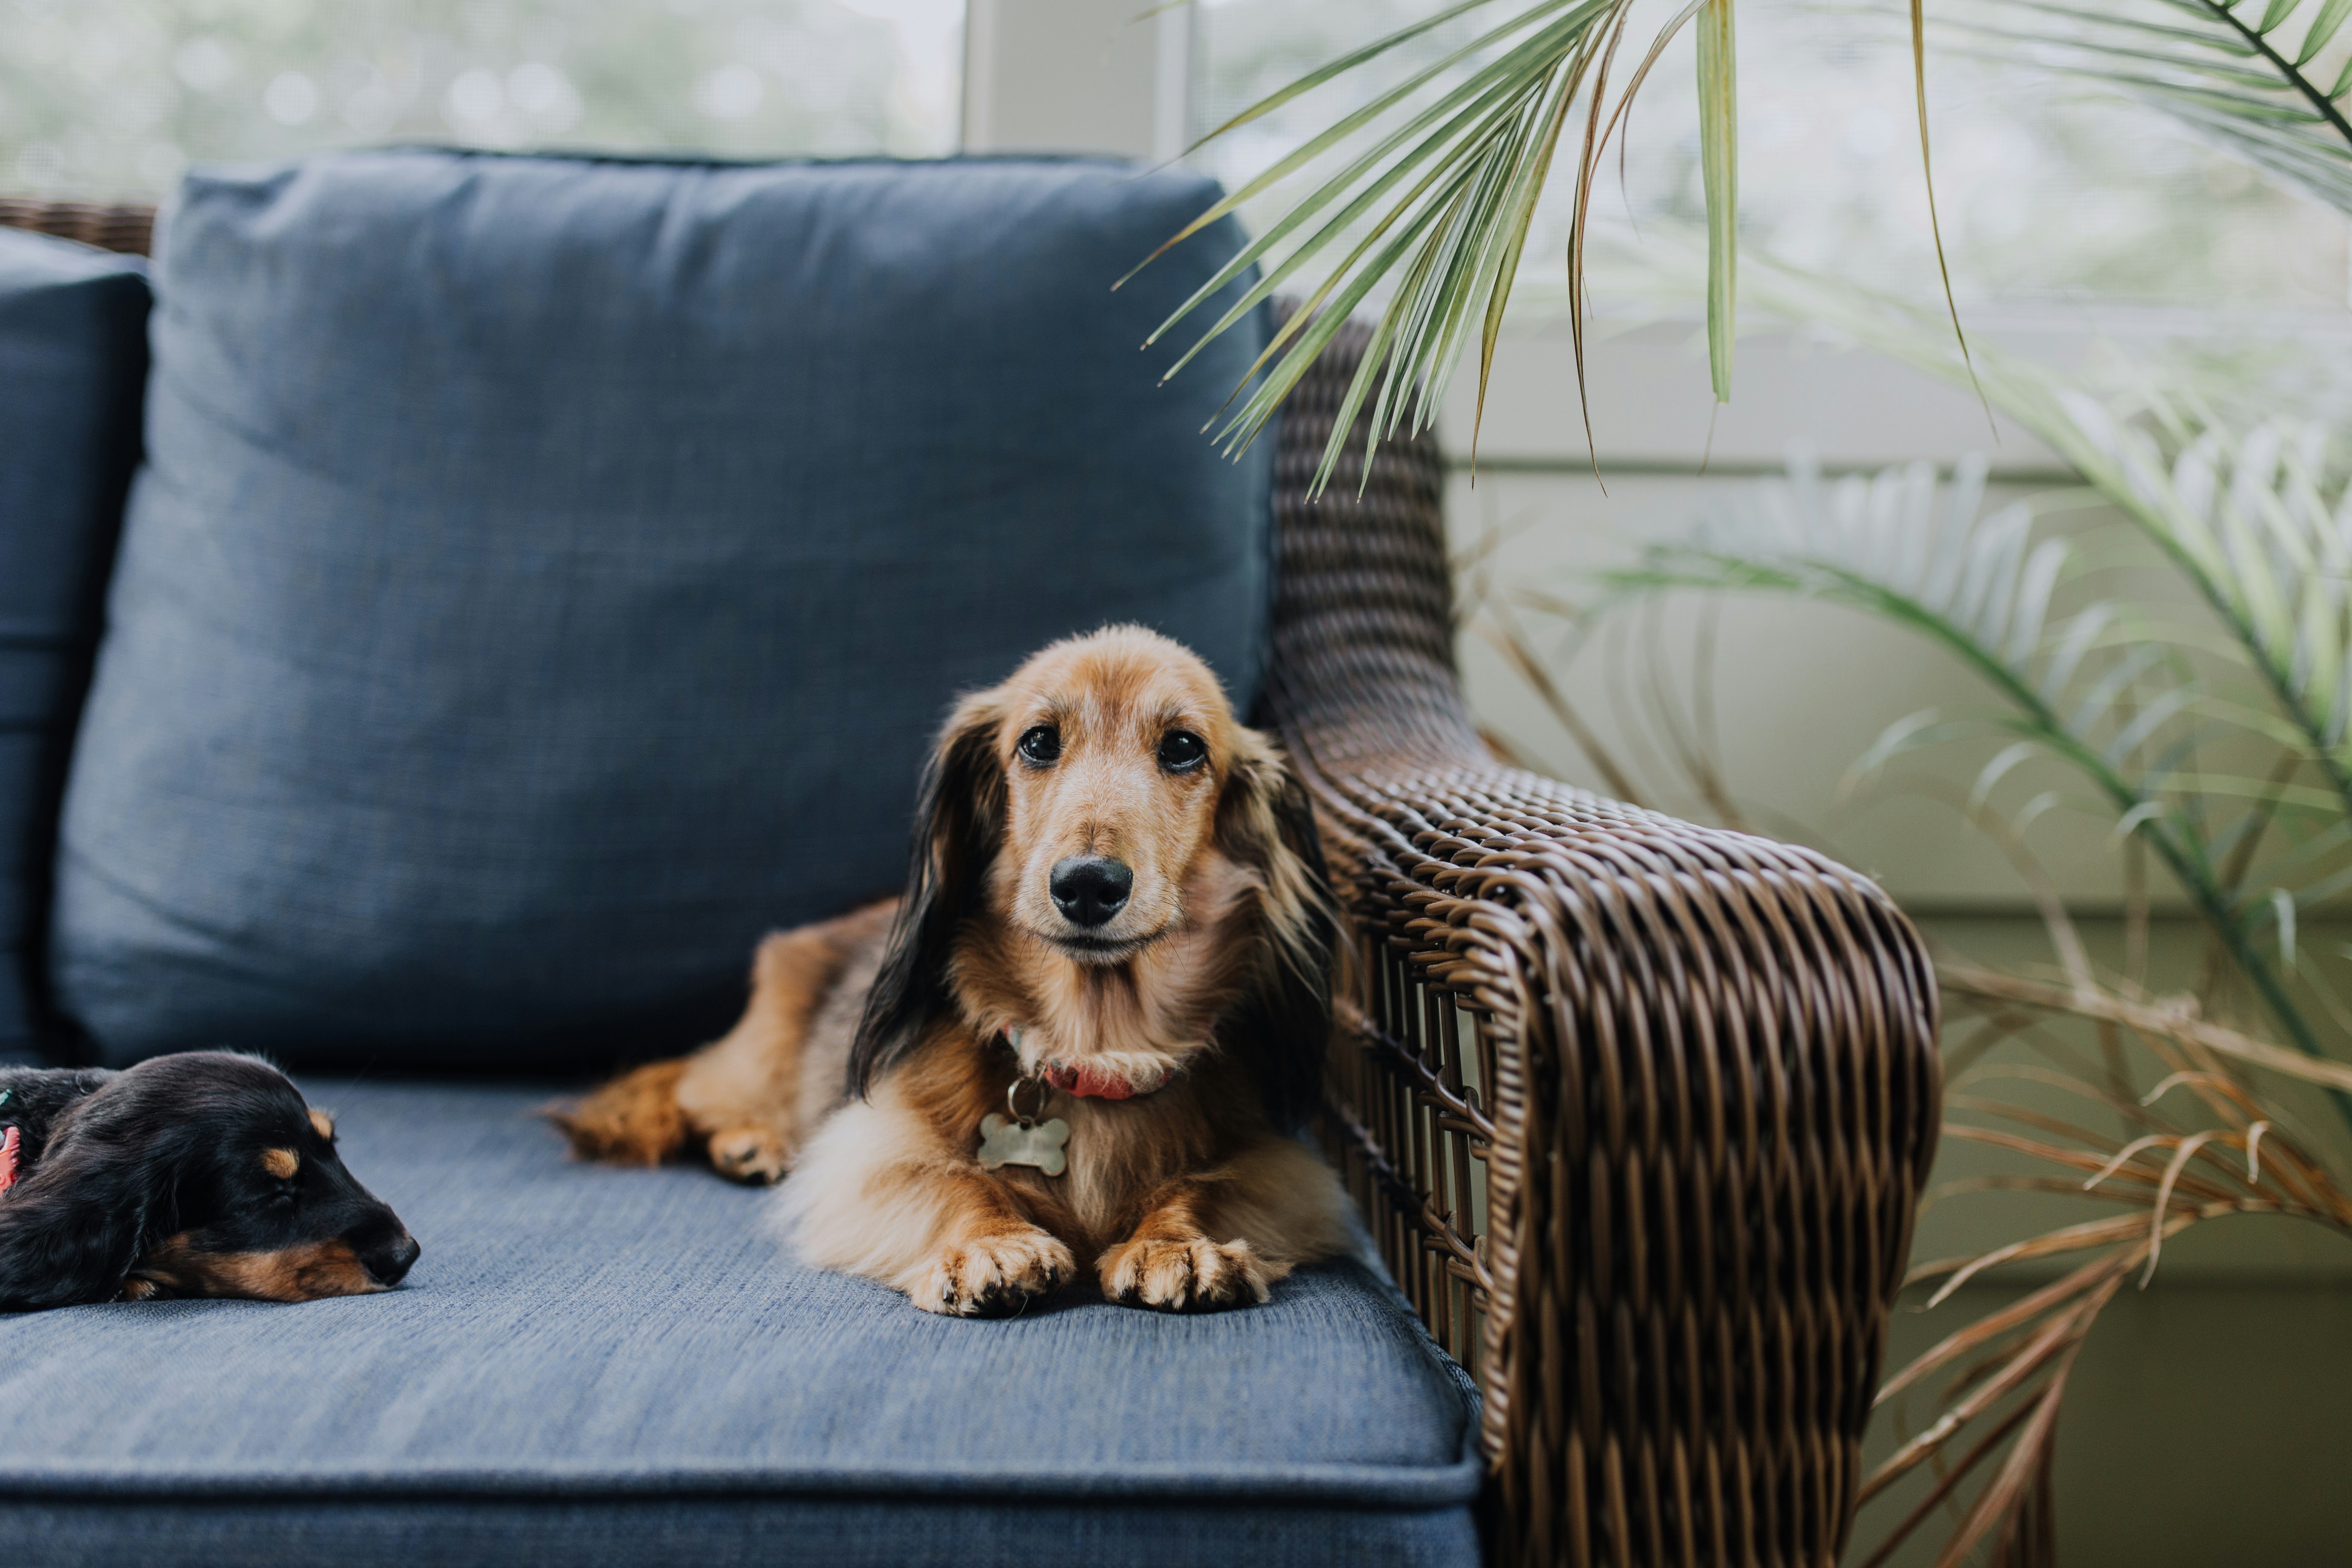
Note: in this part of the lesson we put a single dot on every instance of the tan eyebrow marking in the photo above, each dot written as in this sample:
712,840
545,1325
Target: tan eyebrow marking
324,1123
280,1162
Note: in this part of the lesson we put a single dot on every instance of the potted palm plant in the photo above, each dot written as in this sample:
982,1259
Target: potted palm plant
2215,747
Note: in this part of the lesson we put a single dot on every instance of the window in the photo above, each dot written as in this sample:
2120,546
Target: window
116,97
2062,209
2048,192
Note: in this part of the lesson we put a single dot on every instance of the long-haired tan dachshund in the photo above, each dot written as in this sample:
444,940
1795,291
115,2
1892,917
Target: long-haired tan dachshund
1087,1031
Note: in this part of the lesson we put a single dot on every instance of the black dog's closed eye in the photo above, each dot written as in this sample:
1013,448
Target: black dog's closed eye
201,1174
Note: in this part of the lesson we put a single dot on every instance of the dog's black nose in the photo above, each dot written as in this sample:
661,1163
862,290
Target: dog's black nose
389,1264
1090,888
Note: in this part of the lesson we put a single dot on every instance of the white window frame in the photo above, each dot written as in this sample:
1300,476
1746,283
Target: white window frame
1077,76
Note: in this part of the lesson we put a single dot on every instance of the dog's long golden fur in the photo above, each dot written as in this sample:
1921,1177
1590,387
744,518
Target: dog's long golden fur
875,1044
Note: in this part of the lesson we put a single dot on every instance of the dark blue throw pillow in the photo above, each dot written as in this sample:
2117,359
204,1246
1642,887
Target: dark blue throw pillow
73,359
547,574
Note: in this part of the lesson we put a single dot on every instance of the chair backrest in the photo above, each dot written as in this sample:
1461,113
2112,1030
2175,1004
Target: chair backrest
546,574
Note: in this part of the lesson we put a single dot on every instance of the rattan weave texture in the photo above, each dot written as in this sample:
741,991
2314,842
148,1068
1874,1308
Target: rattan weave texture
128,229
1639,1111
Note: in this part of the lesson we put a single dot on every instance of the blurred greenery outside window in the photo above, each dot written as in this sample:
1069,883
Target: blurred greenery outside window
115,97
2051,192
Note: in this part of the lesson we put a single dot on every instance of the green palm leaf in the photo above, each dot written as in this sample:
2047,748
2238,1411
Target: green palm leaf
2246,83
2104,693
1720,171
2255,519
1437,190
1434,199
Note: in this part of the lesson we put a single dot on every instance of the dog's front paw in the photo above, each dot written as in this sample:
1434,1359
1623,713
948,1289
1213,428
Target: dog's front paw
994,1275
754,1154
1196,1275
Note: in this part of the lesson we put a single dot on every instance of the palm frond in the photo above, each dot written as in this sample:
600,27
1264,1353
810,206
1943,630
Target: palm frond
2259,518
1435,196
2245,78
2174,1021
1719,173
2097,691
1998,1383
1435,201
1928,557
2126,703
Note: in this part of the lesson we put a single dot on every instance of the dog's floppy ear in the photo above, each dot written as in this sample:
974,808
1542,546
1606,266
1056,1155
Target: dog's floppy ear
1282,1021
85,1215
959,821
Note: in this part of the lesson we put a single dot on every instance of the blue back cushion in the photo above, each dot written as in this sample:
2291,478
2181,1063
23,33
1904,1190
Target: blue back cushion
547,574
73,358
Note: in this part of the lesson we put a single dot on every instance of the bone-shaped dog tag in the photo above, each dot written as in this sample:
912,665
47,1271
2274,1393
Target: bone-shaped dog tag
1004,1142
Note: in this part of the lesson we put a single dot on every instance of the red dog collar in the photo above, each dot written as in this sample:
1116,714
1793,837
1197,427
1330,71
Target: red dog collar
1088,1083
1082,1080
9,1159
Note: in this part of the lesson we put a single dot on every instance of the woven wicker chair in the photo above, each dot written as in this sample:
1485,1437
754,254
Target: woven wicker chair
1638,1112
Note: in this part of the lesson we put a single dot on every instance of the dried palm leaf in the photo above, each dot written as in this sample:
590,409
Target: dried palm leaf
2003,1376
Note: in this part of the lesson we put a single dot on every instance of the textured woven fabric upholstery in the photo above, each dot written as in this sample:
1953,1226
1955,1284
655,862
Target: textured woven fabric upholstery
73,358
547,574
735,1532
599,1366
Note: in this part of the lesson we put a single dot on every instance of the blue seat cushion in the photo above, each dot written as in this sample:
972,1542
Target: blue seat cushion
592,1365
73,362
547,574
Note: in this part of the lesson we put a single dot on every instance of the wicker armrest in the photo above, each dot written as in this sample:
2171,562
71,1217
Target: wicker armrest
129,227
1639,1111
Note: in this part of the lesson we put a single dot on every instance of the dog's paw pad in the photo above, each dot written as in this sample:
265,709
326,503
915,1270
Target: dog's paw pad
994,1276
1184,1276
752,1155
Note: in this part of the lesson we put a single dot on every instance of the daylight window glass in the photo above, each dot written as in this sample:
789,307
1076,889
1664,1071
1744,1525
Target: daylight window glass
2050,189
116,97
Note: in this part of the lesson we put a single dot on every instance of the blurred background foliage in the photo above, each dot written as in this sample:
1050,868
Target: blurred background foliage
114,97
2051,189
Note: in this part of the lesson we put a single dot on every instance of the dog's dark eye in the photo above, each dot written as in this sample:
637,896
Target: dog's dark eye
1040,745
1180,751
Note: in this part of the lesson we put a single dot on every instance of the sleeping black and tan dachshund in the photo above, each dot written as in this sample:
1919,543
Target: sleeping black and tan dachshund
199,1175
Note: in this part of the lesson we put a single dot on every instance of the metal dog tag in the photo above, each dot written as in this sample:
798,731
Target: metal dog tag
1037,1143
